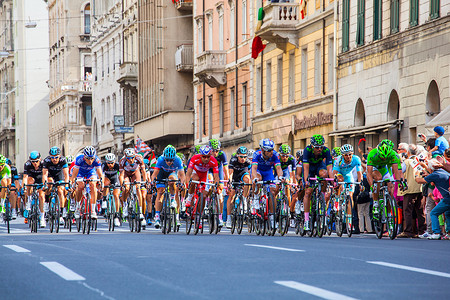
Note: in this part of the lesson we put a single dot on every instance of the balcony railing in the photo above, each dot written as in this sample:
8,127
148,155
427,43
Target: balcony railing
210,67
185,5
184,58
85,86
279,24
128,74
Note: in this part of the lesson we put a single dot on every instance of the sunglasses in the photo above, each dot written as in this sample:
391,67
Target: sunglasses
109,162
130,157
89,158
54,157
35,161
348,154
206,156
318,147
169,160
284,155
242,156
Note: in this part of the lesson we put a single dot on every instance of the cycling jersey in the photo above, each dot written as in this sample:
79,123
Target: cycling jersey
266,167
6,172
221,159
288,166
346,169
200,168
165,170
85,170
55,171
36,174
239,169
111,173
131,168
311,159
14,174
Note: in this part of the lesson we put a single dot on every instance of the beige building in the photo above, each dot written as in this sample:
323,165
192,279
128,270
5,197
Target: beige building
223,85
393,71
7,81
70,79
165,101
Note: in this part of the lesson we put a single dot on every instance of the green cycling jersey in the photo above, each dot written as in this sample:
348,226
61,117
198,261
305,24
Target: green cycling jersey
374,159
6,172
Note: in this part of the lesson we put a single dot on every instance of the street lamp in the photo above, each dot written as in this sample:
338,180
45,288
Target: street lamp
4,53
30,24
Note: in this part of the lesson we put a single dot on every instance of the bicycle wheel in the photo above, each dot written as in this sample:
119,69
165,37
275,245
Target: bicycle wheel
234,213
198,212
164,216
348,216
248,216
391,210
188,219
377,223
263,214
7,216
113,211
312,215
137,215
240,215
69,221
283,216
57,214
272,224
215,205
339,218
88,216
51,215
211,224
321,211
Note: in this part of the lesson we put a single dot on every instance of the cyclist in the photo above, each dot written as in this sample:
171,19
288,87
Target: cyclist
221,158
335,152
87,165
316,162
240,166
147,194
132,168
5,177
198,168
168,166
13,194
54,169
32,173
264,162
383,163
110,170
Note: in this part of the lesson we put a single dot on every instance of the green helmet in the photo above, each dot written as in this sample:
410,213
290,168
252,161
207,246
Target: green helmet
197,149
384,148
336,151
317,140
181,156
214,144
285,149
2,160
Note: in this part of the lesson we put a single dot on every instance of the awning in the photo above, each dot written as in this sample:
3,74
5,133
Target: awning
442,119
365,130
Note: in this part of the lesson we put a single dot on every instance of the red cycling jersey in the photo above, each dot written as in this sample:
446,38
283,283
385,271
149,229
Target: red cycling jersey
202,169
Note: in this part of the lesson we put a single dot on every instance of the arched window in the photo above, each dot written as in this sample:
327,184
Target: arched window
360,114
433,104
393,107
87,19
95,133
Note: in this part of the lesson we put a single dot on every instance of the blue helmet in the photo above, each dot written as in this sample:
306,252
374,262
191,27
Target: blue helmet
242,150
54,151
8,162
205,150
35,155
169,152
266,144
89,151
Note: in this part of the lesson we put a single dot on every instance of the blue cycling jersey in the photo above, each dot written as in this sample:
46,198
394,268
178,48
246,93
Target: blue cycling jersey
343,168
83,168
265,165
162,165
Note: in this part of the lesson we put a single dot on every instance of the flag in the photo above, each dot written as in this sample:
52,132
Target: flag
260,18
142,147
303,8
257,46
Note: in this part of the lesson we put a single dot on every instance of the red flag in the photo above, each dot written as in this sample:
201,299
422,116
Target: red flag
142,147
257,46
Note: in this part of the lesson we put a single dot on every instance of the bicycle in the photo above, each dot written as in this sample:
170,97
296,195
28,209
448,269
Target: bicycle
283,211
318,207
262,221
195,213
134,213
86,221
69,219
54,212
168,212
35,212
344,206
7,215
387,213
110,207
238,214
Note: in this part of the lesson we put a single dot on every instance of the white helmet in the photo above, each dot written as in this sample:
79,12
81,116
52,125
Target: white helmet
110,157
129,152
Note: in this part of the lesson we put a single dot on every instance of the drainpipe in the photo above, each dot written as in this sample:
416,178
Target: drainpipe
323,49
204,84
236,113
335,81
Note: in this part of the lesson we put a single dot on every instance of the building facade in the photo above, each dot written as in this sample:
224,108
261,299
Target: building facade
164,111
7,82
107,48
393,70
70,79
31,40
294,75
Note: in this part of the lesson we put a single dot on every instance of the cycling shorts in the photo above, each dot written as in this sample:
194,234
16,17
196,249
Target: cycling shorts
349,178
87,174
37,178
164,175
239,176
266,175
59,176
202,176
114,180
286,173
385,172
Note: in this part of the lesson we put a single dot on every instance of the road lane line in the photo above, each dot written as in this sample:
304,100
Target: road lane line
16,248
419,270
312,290
62,271
276,248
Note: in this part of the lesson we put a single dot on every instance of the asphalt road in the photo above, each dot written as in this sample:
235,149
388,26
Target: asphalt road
150,265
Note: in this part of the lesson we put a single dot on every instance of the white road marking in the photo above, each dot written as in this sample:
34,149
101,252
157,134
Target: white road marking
62,271
419,270
312,290
16,248
276,248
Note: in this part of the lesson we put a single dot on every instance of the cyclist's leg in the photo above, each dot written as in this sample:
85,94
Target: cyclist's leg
191,189
377,174
137,177
324,174
313,171
126,190
4,183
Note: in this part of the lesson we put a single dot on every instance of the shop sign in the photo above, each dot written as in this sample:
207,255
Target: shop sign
312,121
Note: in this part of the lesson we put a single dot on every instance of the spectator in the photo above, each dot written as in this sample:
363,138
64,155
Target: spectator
440,178
363,203
429,145
427,190
412,197
441,143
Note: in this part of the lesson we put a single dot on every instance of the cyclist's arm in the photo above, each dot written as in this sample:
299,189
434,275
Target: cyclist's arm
216,178
369,175
299,173
230,173
225,172
420,180
330,171
335,173
121,176
66,174
181,175
99,173
24,180
398,174
75,170
305,170
279,170
143,172
292,176
155,174
44,175
360,176
188,176
254,171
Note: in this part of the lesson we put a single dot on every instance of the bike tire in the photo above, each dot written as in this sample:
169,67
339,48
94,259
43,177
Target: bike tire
233,215
69,221
198,213
349,225
283,217
89,220
240,215
215,205
164,216
248,216
272,225
137,215
57,215
321,213
377,224
391,217
51,215
78,223
188,220
7,214
312,215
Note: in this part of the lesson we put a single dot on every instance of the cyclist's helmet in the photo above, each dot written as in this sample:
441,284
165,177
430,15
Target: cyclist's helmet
181,156
34,155
110,157
8,162
89,151
197,149
250,153
54,151
129,152
169,152
299,153
336,151
242,150
205,150
214,144
384,148
266,144
70,159
317,140
347,148
285,149
2,160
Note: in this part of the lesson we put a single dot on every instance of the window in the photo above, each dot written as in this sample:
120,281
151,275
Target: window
103,111
199,36
244,20
220,11
113,55
395,5
280,80
87,19
268,84
304,72
113,104
221,113
331,63
413,12
107,59
259,105
317,72
210,115
210,32
292,76
360,24
88,115
434,9
108,109
232,110
377,19
244,106
231,24
345,24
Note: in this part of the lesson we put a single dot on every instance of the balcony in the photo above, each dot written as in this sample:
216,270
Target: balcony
183,58
85,87
183,5
128,75
280,20
210,67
